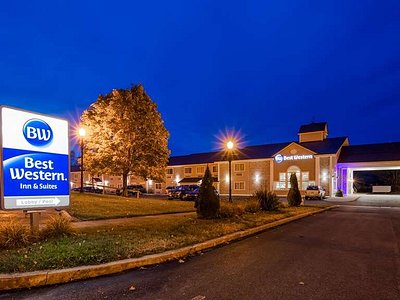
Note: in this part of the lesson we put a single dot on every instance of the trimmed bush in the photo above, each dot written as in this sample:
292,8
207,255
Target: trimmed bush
339,193
14,235
207,204
229,210
56,227
294,196
252,206
268,201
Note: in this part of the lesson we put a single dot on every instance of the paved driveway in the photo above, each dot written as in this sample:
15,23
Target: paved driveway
369,200
347,253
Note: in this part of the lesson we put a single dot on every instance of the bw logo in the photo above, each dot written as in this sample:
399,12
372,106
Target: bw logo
38,133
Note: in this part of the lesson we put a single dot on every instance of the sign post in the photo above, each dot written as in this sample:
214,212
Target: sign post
34,161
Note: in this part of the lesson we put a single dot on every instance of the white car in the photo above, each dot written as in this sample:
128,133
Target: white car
314,192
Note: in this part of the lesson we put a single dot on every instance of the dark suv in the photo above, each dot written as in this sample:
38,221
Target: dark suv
133,189
181,191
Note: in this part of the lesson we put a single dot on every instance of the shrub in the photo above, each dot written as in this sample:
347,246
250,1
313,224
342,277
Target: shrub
229,210
252,206
57,226
339,193
207,204
294,196
14,235
268,201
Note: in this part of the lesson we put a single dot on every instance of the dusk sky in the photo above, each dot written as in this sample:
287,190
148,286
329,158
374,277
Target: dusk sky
259,67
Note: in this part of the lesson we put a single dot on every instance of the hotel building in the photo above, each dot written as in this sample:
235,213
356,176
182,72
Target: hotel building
314,157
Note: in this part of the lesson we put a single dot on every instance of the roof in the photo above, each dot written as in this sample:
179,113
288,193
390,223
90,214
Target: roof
327,146
312,127
195,179
370,152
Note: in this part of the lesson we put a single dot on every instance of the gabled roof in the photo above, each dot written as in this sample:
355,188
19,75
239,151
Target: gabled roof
312,127
327,146
193,159
370,152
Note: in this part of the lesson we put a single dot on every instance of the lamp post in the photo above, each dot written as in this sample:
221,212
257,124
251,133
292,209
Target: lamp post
82,134
229,146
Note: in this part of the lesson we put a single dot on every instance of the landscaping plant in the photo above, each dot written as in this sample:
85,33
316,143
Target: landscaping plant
339,193
252,206
294,196
57,226
207,204
14,235
229,210
267,200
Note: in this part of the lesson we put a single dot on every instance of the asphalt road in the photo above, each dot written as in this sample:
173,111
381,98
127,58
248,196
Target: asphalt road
346,253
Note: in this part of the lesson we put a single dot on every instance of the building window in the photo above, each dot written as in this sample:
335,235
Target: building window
215,169
170,171
200,170
188,170
239,185
239,167
158,186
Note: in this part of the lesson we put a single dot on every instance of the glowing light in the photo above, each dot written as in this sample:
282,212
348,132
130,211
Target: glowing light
257,178
227,177
106,182
150,182
177,178
230,145
82,132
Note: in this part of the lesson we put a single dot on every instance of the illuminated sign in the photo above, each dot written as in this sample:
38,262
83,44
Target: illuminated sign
280,158
34,160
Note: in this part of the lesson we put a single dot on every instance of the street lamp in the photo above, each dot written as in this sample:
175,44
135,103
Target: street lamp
82,134
229,147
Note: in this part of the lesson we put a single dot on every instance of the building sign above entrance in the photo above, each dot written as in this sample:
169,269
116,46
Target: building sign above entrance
280,158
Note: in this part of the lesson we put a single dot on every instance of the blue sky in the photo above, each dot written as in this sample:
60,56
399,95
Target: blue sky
259,67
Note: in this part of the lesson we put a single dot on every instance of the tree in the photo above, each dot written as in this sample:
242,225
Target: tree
294,196
207,204
125,135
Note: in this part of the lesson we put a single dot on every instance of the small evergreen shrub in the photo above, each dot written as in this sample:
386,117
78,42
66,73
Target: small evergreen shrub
56,227
230,210
268,201
14,235
252,206
339,193
207,204
294,196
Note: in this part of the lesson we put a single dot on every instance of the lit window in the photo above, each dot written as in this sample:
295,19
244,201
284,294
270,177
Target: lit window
170,171
188,170
282,176
239,167
215,169
305,176
239,185
200,170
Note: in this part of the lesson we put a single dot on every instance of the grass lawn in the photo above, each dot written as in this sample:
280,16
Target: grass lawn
140,237
89,206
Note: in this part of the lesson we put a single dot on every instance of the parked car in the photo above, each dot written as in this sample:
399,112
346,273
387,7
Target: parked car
179,192
88,189
133,189
314,192
194,194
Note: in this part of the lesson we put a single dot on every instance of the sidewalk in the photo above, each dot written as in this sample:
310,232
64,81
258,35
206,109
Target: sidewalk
342,199
123,221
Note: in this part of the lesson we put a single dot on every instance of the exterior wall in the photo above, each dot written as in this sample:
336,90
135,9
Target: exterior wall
256,175
325,174
305,165
312,136
178,173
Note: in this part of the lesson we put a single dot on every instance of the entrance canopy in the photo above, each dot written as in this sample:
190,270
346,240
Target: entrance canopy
365,158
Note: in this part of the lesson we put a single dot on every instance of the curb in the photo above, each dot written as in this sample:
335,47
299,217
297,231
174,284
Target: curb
41,278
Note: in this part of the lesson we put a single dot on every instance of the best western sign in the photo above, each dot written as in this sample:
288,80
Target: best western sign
34,160
280,158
